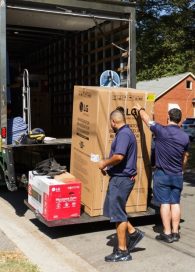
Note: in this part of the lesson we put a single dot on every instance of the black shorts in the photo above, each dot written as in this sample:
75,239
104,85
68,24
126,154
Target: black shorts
118,192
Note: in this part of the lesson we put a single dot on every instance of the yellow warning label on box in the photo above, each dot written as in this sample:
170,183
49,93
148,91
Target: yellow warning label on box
151,97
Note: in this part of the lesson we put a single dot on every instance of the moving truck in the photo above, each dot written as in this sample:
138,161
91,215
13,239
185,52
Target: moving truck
57,45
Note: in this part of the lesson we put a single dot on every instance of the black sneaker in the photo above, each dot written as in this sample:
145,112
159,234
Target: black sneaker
134,239
175,236
165,237
118,255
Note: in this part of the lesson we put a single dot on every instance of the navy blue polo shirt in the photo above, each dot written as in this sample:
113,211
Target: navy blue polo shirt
170,144
125,144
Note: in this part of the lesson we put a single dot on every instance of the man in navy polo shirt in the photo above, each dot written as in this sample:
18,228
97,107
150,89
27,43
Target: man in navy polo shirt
121,167
171,145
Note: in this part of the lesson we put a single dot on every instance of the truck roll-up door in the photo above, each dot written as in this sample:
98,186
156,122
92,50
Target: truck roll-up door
69,16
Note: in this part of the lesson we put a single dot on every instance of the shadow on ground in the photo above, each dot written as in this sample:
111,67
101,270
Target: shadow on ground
189,177
16,199
71,230
112,242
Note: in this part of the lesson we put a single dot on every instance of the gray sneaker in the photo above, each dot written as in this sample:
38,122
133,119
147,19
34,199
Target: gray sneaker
118,255
134,239
175,237
167,238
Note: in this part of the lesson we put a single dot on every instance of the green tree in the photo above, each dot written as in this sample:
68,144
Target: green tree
165,38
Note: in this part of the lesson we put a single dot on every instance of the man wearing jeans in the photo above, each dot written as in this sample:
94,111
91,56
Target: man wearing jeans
121,167
171,145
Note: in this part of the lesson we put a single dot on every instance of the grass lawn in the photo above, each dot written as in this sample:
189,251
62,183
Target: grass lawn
15,261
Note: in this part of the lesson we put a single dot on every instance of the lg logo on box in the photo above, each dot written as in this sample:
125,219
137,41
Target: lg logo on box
83,107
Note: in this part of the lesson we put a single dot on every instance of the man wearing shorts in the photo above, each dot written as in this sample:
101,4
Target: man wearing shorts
121,167
171,145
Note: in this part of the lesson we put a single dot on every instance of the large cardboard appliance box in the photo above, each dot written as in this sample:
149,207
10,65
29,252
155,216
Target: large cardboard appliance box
92,138
55,199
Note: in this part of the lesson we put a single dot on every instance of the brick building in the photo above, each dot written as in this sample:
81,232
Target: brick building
178,89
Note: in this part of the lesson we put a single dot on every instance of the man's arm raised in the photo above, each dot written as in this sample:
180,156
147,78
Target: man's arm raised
143,114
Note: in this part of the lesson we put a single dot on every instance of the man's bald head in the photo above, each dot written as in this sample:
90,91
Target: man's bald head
118,116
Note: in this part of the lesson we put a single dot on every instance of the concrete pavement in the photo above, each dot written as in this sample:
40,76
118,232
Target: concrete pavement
47,254
86,251
6,244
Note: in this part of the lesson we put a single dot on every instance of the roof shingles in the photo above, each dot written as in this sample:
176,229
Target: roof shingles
162,85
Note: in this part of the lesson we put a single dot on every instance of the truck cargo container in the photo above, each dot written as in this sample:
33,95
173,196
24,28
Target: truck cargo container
60,44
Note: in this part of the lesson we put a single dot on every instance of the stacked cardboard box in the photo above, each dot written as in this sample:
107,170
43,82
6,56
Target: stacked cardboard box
92,137
57,198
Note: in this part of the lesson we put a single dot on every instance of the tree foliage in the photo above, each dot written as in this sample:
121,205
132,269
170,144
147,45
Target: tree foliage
165,38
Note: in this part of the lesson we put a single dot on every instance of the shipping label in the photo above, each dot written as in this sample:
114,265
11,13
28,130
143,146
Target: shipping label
85,93
127,97
83,128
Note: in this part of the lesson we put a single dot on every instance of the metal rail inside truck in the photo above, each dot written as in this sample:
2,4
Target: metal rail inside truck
60,44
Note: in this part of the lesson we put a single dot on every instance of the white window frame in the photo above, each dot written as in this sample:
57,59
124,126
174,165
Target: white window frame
190,84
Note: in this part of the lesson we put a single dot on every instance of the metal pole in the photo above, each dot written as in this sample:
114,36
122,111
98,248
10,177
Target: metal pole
131,72
68,13
26,99
132,50
3,81
129,57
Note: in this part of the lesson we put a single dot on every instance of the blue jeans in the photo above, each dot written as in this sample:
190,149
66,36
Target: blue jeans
167,188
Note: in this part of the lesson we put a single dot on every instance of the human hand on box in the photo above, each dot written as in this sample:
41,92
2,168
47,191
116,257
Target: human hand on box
104,173
102,164
138,107
143,114
102,167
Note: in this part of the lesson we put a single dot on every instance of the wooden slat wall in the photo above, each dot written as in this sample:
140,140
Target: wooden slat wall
78,59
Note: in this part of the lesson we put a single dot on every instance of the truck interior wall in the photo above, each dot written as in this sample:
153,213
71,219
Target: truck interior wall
78,58
26,158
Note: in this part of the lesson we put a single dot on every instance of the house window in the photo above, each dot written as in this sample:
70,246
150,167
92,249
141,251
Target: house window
189,84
